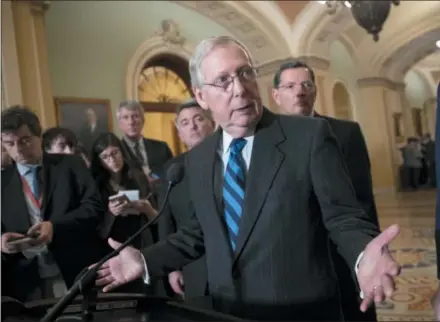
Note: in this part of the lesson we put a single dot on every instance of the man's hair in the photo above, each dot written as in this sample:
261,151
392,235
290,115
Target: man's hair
54,133
191,103
131,105
14,117
204,49
291,64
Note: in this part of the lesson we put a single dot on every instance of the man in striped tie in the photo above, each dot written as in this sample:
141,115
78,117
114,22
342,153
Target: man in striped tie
436,300
268,191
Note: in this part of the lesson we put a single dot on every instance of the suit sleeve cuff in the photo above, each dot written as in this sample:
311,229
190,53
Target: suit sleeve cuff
356,269
145,276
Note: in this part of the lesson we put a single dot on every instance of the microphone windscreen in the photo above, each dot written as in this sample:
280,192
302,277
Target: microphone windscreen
175,173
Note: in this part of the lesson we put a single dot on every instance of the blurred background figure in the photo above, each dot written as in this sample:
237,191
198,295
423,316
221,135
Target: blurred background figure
6,159
59,140
82,152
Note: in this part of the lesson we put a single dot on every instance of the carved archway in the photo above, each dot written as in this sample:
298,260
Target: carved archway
151,48
159,114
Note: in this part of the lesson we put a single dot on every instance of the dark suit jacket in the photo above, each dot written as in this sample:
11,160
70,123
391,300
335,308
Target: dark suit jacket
437,171
177,213
72,203
135,180
298,194
355,153
354,150
158,153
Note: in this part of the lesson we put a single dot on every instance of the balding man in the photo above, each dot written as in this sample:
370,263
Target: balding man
267,192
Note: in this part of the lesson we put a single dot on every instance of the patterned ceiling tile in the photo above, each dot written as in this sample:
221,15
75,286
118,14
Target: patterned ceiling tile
240,25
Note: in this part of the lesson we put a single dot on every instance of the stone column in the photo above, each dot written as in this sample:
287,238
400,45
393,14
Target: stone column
430,108
28,17
11,85
380,98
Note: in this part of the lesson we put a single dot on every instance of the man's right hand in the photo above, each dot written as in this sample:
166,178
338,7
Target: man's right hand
128,266
176,281
8,249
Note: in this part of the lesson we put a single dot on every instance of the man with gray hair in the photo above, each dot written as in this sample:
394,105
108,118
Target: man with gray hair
148,154
193,124
267,192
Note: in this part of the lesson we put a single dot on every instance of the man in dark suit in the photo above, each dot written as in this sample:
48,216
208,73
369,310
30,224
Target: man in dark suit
193,125
264,220
50,197
436,300
295,92
149,154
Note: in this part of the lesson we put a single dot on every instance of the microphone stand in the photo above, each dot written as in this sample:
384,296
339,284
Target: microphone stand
88,275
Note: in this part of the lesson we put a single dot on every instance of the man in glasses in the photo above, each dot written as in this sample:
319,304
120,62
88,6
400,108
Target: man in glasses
295,93
267,191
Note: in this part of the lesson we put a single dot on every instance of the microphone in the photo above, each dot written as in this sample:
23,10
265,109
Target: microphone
173,176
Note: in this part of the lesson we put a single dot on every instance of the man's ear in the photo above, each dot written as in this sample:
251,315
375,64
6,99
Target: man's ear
276,96
199,96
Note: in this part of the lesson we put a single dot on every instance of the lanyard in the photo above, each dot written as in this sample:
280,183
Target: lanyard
30,195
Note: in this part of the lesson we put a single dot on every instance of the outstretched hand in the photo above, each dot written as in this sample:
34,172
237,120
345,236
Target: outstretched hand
119,270
377,269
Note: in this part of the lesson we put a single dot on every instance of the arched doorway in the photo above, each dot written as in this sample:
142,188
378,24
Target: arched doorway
164,83
341,102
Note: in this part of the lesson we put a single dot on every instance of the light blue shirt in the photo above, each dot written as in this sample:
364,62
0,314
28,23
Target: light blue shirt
24,170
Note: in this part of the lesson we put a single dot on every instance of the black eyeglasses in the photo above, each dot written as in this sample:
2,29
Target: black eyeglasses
225,82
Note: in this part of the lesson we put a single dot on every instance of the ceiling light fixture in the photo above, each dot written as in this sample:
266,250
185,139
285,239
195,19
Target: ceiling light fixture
370,15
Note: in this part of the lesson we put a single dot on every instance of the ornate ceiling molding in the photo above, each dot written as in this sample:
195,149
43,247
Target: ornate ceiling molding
246,29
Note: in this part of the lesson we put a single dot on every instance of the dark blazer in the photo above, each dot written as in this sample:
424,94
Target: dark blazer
354,150
71,202
158,153
135,180
437,171
177,213
298,195
355,153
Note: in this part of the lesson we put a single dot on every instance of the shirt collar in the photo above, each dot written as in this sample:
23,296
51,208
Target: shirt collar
23,169
132,143
227,139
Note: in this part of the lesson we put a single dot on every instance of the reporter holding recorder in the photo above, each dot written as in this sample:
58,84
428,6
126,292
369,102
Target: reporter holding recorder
53,197
113,174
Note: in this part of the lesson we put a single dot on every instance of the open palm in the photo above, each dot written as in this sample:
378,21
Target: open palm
126,267
377,269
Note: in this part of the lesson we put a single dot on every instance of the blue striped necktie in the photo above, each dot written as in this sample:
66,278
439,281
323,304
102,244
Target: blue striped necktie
233,189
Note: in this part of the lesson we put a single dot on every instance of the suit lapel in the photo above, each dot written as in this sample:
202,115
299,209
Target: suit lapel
208,180
14,203
50,176
266,160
